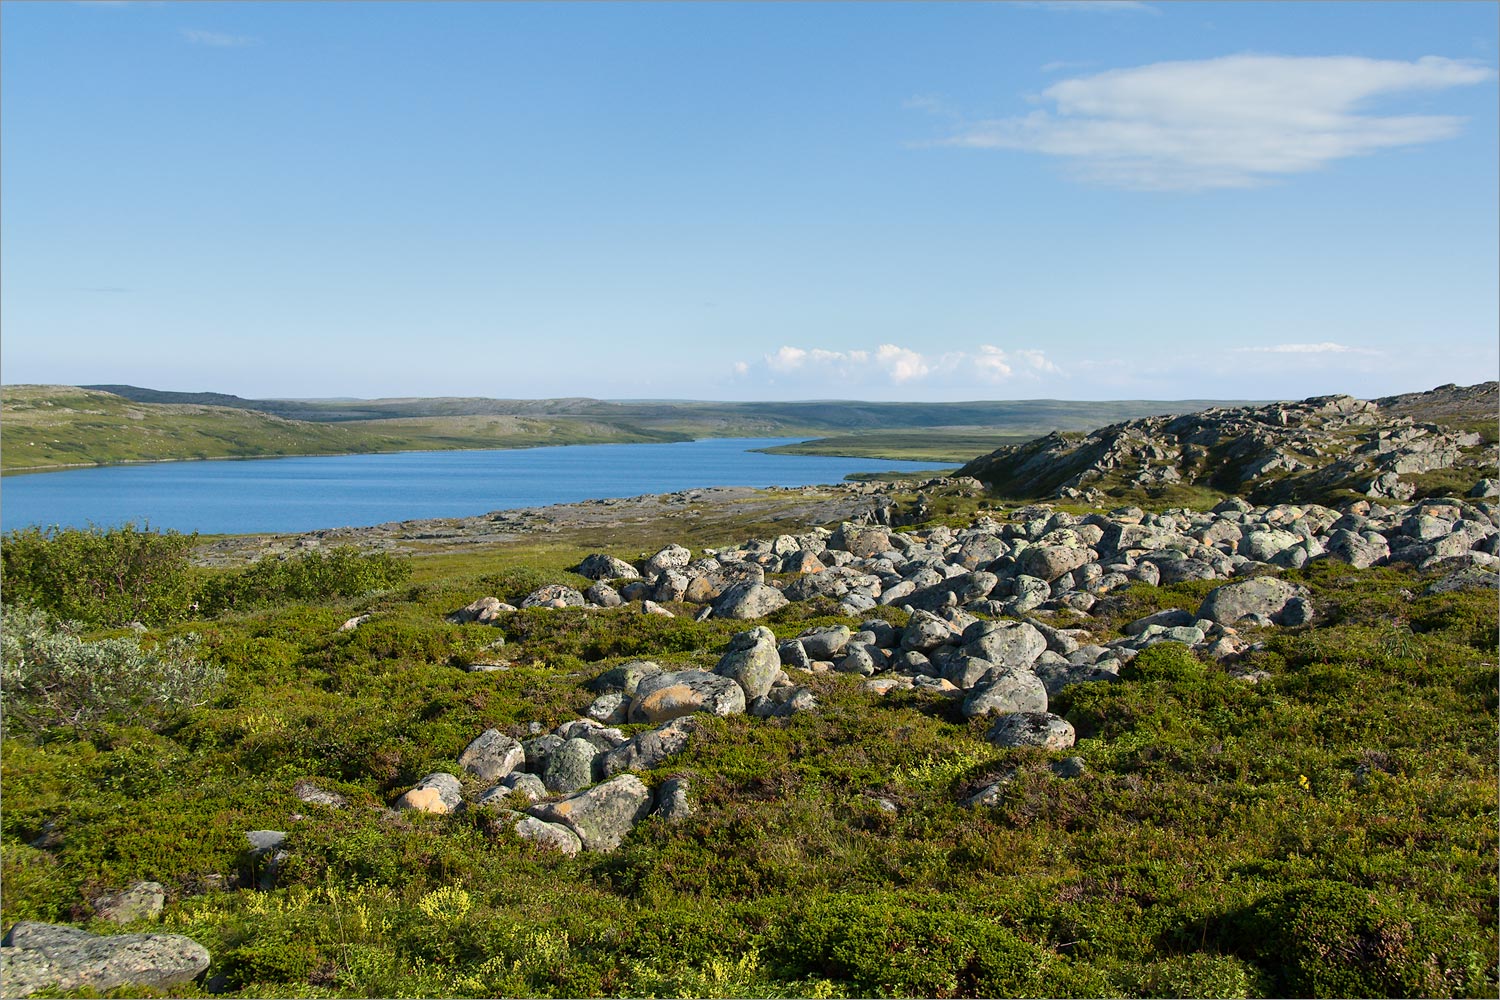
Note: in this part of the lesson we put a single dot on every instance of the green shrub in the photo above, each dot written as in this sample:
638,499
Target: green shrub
309,577
99,576
1166,661
53,678
1323,938
885,948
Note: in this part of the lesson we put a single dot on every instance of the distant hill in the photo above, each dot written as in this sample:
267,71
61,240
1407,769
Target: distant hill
58,426
1323,448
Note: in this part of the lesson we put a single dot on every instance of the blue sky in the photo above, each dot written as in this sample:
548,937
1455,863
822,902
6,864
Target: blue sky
727,201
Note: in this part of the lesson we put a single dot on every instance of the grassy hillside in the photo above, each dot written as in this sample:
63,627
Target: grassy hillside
939,444
49,427
1326,831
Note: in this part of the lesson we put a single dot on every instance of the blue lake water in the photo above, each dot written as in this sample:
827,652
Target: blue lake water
302,494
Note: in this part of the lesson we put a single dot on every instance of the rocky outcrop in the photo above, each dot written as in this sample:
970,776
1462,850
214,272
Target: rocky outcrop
1315,449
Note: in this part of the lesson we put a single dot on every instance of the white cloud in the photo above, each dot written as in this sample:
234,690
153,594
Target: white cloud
1234,121
895,365
216,39
1326,347
900,364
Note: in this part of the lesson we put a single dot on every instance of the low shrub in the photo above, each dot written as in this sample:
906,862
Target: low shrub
53,678
888,949
1325,938
100,576
309,577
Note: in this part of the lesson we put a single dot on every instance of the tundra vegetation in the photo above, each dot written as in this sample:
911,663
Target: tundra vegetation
1326,831
1302,807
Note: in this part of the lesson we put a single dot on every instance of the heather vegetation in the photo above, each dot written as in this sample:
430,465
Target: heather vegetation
1329,830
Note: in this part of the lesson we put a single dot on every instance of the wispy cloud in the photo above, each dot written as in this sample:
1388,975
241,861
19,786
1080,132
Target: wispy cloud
1058,65
1326,347
1231,122
895,365
217,39
1093,6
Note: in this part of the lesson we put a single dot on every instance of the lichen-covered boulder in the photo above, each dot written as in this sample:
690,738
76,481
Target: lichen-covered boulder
439,793
643,751
748,600
36,956
602,816
1005,690
666,696
570,767
492,755
1032,729
1007,643
752,661
1262,595
600,566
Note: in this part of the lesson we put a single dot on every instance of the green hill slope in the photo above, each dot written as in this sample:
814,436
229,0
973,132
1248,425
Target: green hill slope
53,427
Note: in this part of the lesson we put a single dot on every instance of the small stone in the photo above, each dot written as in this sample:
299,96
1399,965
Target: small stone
310,793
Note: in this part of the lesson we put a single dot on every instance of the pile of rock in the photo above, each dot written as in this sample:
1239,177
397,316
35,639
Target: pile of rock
1038,560
574,776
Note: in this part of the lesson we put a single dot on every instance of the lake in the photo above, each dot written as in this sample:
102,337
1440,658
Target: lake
236,496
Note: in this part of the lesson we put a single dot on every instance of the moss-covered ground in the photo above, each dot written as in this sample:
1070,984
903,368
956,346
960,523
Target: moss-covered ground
1330,830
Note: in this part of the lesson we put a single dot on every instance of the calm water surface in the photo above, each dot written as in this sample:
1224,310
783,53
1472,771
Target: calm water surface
301,494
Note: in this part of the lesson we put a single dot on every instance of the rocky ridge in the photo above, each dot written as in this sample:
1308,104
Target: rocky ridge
1322,448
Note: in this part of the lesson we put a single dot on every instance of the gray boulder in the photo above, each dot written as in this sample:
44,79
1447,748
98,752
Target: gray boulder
605,567
528,785
646,750
554,595
439,793
671,557
966,671
1261,595
1007,643
860,541
825,643
1048,562
672,801
1005,690
492,755
36,956
749,600
610,708
603,816
1032,729
484,611
539,749
667,696
793,654
1171,618
141,901
752,661
570,767
603,595
625,677
1359,551
925,631
552,836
